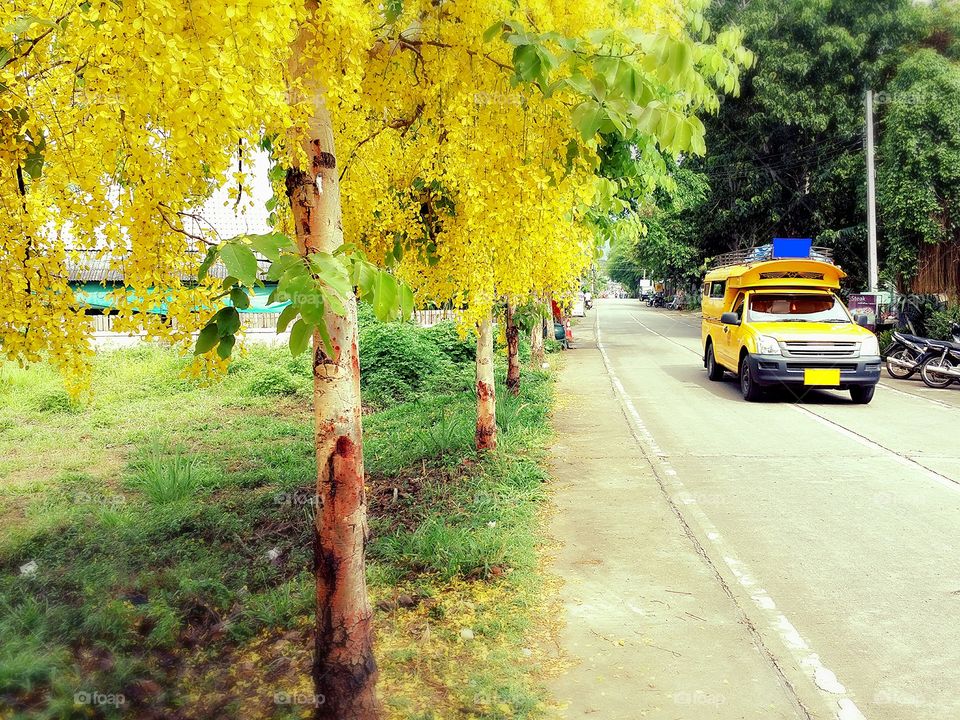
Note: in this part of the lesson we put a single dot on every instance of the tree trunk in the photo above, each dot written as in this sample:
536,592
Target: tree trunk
537,355
513,351
486,436
344,669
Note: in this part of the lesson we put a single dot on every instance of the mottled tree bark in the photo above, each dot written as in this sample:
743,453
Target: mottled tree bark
344,669
486,435
536,344
513,351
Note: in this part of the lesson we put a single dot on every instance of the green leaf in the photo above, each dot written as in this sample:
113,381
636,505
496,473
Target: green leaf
629,82
239,298
286,317
385,296
24,22
406,301
526,61
213,252
578,81
311,304
587,117
300,337
324,332
33,162
366,279
282,265
240,262
272,245
207,338
392,10
227,320
226,346
332,272
491,32
334,303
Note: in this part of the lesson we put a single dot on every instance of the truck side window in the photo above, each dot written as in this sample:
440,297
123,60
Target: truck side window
718,289
706,289
738,307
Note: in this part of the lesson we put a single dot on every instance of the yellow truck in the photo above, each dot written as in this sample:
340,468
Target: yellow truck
779,322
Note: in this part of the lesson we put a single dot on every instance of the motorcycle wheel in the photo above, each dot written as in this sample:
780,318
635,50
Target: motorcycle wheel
930,375
904,355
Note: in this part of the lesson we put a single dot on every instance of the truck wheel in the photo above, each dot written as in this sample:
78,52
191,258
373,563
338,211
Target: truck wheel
862,395
714,369
752,392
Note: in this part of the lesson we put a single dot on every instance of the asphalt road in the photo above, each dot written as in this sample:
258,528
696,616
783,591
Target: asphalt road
835,526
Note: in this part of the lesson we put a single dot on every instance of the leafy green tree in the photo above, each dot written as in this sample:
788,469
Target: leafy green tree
786,157
919,174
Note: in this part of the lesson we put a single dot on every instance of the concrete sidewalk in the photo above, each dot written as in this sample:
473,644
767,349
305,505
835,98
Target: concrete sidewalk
649,627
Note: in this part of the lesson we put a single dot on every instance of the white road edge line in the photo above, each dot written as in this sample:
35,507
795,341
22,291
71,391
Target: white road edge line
824,679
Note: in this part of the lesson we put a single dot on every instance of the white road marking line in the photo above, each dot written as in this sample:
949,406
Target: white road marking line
823,679
919,397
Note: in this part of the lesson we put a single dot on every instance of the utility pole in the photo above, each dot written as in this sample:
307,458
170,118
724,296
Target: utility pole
872,270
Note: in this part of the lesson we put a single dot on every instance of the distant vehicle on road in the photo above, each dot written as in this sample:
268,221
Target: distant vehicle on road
579,307
780,322
645,289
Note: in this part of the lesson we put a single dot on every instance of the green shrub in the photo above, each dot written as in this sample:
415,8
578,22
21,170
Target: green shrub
457,349
941,321
885,338
272,380
398,359
56,401
167,478
551,346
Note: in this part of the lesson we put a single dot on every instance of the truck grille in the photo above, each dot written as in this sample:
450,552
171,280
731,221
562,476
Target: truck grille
820,349
842,367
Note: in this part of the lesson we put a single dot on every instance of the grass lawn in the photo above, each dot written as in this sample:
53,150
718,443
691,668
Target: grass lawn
155,557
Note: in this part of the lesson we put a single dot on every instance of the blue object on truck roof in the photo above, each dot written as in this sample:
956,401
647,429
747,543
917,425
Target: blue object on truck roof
786,248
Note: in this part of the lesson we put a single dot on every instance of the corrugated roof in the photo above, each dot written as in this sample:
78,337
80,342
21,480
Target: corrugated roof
92,266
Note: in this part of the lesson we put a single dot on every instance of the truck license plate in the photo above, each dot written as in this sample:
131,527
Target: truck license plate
821,376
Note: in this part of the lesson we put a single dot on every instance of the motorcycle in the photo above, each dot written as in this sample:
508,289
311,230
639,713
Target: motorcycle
943,368
657,300
906,355
588,303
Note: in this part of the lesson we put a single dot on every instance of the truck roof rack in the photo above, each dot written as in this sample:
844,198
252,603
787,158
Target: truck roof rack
764,253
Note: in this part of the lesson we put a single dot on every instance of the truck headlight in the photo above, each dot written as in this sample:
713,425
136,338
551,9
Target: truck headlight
870,347
767,345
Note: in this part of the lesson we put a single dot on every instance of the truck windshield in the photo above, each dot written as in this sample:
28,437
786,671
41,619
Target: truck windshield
797,308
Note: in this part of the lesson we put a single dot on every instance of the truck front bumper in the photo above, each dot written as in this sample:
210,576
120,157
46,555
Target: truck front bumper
779,370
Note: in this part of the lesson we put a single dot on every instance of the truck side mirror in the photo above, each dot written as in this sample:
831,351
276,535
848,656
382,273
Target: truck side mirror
730,318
